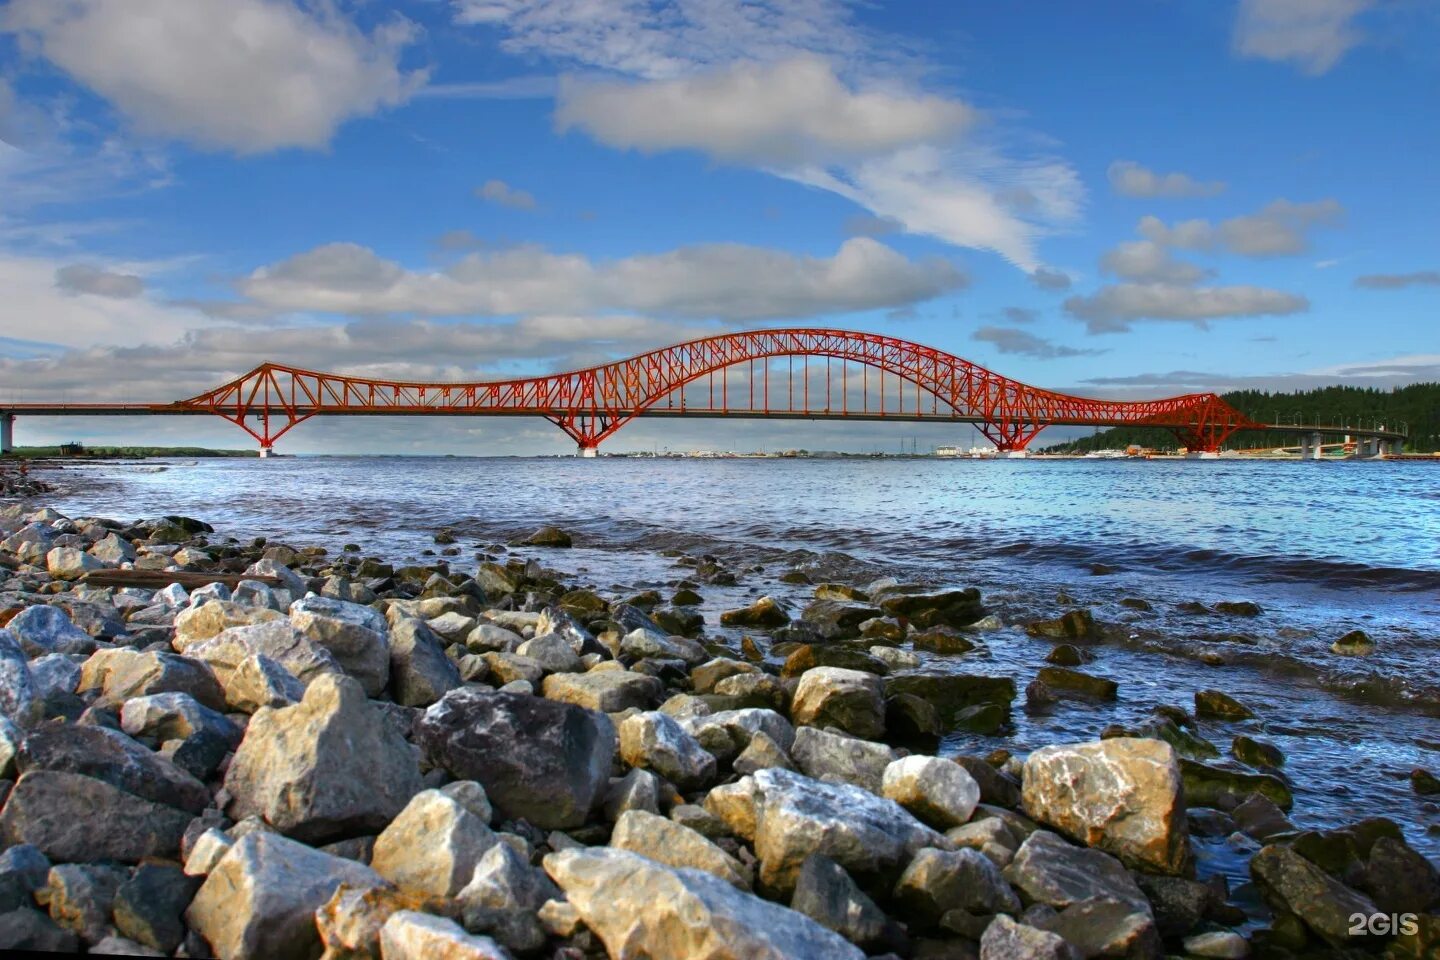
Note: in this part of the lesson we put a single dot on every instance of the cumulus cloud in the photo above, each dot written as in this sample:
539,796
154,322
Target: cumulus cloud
1051,280
1312,35
1024,343
1148,260
1020,314
242,75
85,278
1113,308
1132,180
1395,281
1280,228
722,281
792,112
1390,372
500,192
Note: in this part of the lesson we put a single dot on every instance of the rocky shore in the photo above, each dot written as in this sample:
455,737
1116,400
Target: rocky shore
212,747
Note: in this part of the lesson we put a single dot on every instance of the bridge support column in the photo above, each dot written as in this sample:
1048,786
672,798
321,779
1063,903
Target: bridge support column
1202,455
1311,447
7,433
266,452
584,451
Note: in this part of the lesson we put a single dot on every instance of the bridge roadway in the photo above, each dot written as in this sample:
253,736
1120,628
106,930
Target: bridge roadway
1369,442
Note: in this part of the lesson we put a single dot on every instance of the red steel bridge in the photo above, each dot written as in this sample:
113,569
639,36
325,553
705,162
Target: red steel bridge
782,373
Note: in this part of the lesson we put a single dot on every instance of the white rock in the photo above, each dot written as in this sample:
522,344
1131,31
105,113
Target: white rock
409,935
432,847
939,792
358,637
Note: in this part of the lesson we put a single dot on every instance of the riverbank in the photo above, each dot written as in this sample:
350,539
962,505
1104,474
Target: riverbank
321,715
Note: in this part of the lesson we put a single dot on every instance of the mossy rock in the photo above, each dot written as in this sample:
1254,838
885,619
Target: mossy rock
685,597
1183,742
1256,753
951,693
986,719
1211,786
1356,643
840,591
1239,608
1218,705
942,640
1135,603
1424,782
1075,682
808,656
1072,625
546,536
794,576
1065,655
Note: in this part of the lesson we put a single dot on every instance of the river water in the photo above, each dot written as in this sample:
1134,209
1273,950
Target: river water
1323,548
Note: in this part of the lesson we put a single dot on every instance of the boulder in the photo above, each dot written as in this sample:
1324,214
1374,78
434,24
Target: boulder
503,897
113,550
644,643
1072,625
1217,705
71,563
214,618
420,672
261,682
761,754
1295,885
411,935
552,652
121,675
349,923
24,929
838,619
175,716
955,608
80,896
301,657
115,758
432,847
259,902
655,741
545,761
848,699
42,629
149,907
1047,869
357,637
670,843
1211,785
939,792
826,894
326,768
19,701
640,908
1004,939
836,758
290,581
608,691
547,536
796,816
937,881
58,812
765,612
1123,796
1101,927
952,693
1067,682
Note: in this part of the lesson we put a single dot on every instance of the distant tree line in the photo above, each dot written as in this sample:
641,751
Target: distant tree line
1416,407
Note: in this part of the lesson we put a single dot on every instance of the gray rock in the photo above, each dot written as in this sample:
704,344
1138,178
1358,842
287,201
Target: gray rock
1295,885
833,696
79,897
937,881
420,673
259,902
825,893
356,636
227,651
290,581
210,619
411,935
1005,939
55,673
637,790
23,870
761,754
939,792
328,767
641,908
608,691
19,701
656,741
1221,944
1101,927
836,758
503,896
149,907
253,593
113,550
646,643
670,843
175,716
432,847
41,629
796,816
471,796
121,675
261,682
543,761
57,812
1049,870
553,653
115,758
27,929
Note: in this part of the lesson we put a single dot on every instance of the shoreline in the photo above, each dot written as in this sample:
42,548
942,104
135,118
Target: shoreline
692,753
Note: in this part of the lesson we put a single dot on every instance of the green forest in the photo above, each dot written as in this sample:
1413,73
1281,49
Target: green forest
1416,406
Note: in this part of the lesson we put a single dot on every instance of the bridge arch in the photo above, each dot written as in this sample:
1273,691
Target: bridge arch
592,404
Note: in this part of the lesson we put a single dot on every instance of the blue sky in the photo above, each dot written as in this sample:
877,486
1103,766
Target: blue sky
1121,199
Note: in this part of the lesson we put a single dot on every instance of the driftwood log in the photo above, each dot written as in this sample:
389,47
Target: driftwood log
160,579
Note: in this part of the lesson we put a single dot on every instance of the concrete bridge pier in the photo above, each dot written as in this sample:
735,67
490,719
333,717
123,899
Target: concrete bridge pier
1202,455
1311,447
7,433
266,453
584,451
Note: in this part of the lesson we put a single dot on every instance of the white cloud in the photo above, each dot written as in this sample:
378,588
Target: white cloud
722,281
793,112
1132,180
1027,344
1148,260
1310,34
1395,281
1112,309
84,278
500,192
1280,228
658,40
1051,280
242,75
